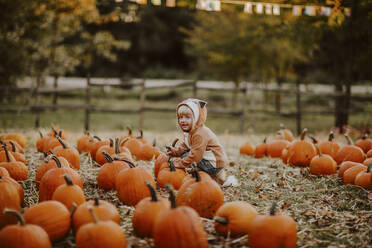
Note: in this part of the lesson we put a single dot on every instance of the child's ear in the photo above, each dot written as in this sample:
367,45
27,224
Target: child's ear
202,104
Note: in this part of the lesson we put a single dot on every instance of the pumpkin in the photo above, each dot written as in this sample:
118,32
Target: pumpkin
96,145
69,193
129,135
364,143
53,142
22,235
70,153
330,146
107,174
82,143
17,170
350,152
234,218
100,158
369,154
146,212
121,151
47,165
261,149
54,178
322,164
41,142
191,178
130,184
162,158
4,172
367,161
205,196
19,188
8,143
284,155
17,155
100,234
134,145
19,138
9,198
52,216
171,175
272,231
104,210
57,132
275,148
148,152
179,227
300,152
346,165
363,178
246,149
284,133
352,172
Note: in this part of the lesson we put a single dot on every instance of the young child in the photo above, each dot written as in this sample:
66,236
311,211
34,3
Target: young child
200,143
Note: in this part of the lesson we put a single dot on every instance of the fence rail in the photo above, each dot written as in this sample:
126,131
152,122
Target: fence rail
245,105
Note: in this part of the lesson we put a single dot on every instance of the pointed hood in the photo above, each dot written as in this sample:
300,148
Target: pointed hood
199,110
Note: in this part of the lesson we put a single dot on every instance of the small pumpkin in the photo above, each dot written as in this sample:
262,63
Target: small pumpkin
70,153
162,158
363,178
275,148
322,164
104,210
179,227
246,149
171,175
52,216
69,193
53,142
17,170
121,151
47,165
82,143
351,173
284,133
367,161
100,158
300,152
100,233
261,149
234,218
96,145
364,143
41,142
330,146
9,198
350,152
134,145
346,165
8,143
205,196
23,235
18,137
272,231
107,174
146,212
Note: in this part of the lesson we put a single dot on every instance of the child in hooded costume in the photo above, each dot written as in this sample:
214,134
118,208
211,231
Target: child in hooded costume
200,145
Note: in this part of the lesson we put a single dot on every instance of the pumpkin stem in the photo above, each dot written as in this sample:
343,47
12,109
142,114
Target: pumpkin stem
96,201
171,165
124,140
111,143
41,134
54,130
315,141
197,176
51,151
73,209
93,213
141,134
172,197
154,142
108,157
281,134
96,137
174,142
365,136
60,133
318,149
129,130
45,155
265,139
303,134
13,146
273,208
349,140
16,214
55,158
131,165
6,153
221,220
369,168
152,192
331,136
61,141
117,148
68,180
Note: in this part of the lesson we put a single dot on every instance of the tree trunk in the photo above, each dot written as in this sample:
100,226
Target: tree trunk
339,107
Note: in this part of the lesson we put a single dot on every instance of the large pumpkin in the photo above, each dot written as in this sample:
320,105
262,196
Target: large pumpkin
171,175
69,193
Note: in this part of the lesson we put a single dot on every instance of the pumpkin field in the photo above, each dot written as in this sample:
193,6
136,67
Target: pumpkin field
327,211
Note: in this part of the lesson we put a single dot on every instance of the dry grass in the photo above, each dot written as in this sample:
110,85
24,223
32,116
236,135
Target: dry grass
327,213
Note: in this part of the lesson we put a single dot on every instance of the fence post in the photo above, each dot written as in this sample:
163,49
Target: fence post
87,103
195,89
37,101
243,114
298,106
55,93
142,104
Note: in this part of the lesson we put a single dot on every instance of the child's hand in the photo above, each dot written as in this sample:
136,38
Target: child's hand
170,151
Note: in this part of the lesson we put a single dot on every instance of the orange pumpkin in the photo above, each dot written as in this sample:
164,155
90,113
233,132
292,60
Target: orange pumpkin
69,193
179,227
52,216
272,231
41,141
284,155
17,170
276,147
13,182
134,145
330,146
82,143
300,152
162,158
17,155
9,198
363,178
322,164
96,145
22,235
70,153
351,173
104,210
8,143
4,172
261,150
367,161
364,143
234,218
369,154
205,196
100,234
346,165
350,152
246,149
121,152
47,165
171,175
100,158
146,212
284,133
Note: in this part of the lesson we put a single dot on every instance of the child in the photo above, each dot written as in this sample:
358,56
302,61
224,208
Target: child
201,144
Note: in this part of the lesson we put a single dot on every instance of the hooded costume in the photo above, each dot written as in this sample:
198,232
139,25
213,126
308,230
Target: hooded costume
200,143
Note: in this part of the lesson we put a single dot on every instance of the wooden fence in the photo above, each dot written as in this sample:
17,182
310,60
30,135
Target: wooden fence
246,105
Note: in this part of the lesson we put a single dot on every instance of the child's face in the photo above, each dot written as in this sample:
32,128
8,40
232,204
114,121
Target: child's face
185,121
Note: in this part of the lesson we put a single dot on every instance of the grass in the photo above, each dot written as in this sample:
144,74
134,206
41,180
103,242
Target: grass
327,213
